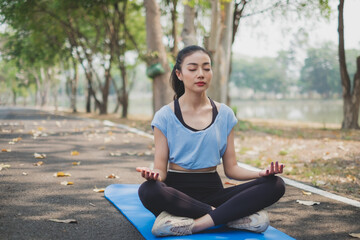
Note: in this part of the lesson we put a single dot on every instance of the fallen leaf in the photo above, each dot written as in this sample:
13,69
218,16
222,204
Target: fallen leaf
11,143
351,178
40,129
102,148
39,155
91,204
74,153
306,193
115,154
24,173
6,150
67,183
62,174
355,235
39,163
76,163
63,220
99,190
112,176
18,139
307,203
3,166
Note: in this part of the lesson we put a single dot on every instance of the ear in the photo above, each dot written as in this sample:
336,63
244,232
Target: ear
178,73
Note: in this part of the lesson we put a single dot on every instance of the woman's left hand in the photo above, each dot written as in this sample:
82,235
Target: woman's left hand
272,169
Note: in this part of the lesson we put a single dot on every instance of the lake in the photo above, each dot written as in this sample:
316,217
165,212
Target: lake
319,110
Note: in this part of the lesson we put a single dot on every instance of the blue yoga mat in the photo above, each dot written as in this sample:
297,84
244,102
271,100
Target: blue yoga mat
125,198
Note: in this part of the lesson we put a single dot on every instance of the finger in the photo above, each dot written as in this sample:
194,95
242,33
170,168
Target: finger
140,169
156,176
272,168
147,173
276,167
282,168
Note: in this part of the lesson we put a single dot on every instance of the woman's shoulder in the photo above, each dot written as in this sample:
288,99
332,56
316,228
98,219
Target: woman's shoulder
170,105
217,104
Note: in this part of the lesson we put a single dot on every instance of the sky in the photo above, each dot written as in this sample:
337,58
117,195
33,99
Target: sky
267,38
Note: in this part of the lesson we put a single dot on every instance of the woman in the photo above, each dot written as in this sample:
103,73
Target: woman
192,134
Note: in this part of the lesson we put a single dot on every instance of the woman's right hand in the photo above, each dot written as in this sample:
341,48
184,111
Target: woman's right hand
148,174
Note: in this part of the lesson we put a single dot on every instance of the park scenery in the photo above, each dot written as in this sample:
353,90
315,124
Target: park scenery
80,82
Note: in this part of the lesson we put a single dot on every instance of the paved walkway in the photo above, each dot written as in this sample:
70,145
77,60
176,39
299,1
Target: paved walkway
31,195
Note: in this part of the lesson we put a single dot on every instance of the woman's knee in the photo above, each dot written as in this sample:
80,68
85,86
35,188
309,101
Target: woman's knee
148,191
277,184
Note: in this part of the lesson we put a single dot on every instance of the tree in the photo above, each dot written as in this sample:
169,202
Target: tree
260,74
320,72
157,54
220,47
351,92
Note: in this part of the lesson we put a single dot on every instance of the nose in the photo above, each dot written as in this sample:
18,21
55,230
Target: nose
201,73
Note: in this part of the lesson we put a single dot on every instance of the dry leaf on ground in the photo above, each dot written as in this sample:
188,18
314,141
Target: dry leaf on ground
63,220
3,166
76,163
355,235
67,183
24,173
39,163
39,155
112,176
307,203
6,150
62,174
99,190
18,139
74,153
115,154
306,193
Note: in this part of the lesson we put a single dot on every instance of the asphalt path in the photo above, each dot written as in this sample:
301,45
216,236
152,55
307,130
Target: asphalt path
31,195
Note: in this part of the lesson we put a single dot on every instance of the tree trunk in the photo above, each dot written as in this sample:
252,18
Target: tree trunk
73,84
175,48
188,33
220,47
351,99
161,87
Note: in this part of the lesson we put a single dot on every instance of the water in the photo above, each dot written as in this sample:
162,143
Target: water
319,110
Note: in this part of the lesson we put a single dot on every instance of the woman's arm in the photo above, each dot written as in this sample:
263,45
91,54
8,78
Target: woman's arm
160,159
233,171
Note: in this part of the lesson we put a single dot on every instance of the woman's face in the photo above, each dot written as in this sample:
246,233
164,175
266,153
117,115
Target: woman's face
196,72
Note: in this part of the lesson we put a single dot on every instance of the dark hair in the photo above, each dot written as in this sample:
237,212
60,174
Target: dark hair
176,84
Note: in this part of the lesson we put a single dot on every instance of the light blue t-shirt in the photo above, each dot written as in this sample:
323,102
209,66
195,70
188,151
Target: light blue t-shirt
195,150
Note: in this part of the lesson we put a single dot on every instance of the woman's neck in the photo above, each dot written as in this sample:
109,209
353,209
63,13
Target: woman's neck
194,101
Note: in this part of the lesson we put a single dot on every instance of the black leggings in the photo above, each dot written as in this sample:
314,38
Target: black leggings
193,194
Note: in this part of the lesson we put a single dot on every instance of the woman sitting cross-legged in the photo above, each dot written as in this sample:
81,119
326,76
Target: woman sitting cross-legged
192,134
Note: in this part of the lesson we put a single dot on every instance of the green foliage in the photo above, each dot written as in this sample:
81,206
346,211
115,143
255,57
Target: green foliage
321,73
260,74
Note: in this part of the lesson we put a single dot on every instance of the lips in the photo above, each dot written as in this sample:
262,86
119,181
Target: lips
200,84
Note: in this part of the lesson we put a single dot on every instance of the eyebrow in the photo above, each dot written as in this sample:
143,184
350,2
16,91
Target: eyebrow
195,64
